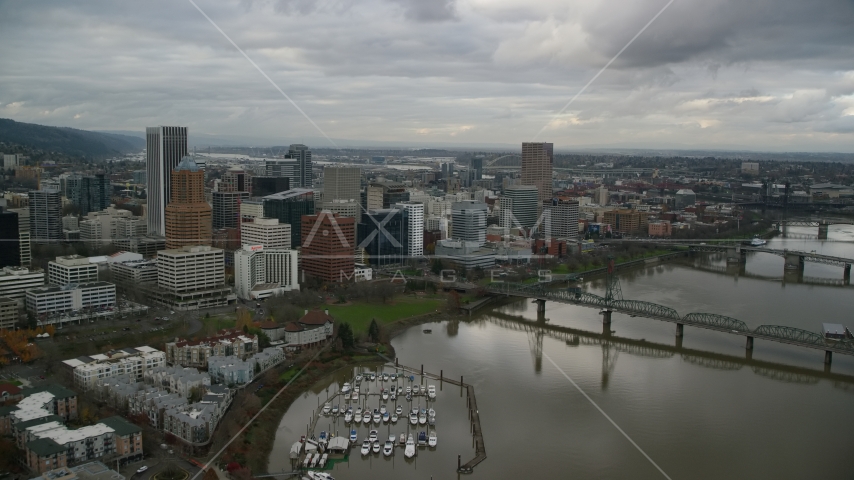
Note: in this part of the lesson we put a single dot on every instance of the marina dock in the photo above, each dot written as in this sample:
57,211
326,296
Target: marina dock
474,416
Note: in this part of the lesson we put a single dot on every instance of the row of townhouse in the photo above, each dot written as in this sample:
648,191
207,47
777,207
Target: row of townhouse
195,353
234,371
53,445
90,370
46,401
181,380
37,423
170,411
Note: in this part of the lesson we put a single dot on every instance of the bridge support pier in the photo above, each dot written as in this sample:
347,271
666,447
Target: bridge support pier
680,329
749,345
541,306
794,262
822,230
736,255
606,317
828,356
846,273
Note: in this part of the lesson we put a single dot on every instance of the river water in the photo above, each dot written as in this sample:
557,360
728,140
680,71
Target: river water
704,410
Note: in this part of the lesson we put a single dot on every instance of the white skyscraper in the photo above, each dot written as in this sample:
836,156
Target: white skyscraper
165,146
414,228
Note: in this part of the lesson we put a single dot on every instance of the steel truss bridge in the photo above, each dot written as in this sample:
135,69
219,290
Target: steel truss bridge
613,346
613,302
740,249
741,273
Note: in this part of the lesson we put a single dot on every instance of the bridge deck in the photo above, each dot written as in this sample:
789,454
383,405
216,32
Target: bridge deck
788,335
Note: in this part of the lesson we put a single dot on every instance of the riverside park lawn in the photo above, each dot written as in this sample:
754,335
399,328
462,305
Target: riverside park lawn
359,314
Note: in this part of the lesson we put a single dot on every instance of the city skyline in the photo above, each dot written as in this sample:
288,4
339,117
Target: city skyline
702,75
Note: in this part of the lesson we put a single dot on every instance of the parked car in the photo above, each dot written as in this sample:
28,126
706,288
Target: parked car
141,469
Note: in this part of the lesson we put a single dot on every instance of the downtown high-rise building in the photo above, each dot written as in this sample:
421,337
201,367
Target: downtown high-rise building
165,147
560,218
45,215
296,166
327,246
537,162
341,183
90,193
414,228
468,221
188,215
10,251
519,206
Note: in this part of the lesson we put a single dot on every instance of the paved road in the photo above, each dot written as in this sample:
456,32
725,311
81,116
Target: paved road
156,465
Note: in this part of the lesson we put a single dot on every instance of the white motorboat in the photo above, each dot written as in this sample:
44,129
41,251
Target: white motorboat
334,409
319,476
366,418
355,395
422,419
346,388
431,421
323,439
327,408
394,418
383,409
431,412
307,462
386,417
402,438
393,377
388,449
366,447
385,377
432,439
358,416
413,419
373,436
359,378
377,416
393,397
376,447
431,392
408,390
348,415
392,438
353,436
385,394
415,389
314,460
410,447
372,377
323,459
757,242
399,409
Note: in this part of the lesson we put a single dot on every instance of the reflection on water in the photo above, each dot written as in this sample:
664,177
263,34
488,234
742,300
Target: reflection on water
701,406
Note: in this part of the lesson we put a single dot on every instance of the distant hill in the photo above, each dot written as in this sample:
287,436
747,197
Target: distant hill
69,141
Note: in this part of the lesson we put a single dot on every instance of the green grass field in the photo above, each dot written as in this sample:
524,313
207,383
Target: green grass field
359,315
216,323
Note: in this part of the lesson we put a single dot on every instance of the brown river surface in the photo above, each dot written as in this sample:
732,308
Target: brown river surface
696,408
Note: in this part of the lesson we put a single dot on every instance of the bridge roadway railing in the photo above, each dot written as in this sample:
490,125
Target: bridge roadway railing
709,321
807,256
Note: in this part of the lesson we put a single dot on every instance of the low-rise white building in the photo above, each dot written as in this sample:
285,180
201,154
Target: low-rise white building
70,297
15,281
71,269
313,329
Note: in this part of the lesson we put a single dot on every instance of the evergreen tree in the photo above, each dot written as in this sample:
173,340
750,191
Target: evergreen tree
345,333
374,331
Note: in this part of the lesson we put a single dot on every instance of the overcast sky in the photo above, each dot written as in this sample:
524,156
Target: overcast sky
721,74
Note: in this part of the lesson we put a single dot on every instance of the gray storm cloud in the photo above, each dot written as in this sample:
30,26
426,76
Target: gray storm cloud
710,74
